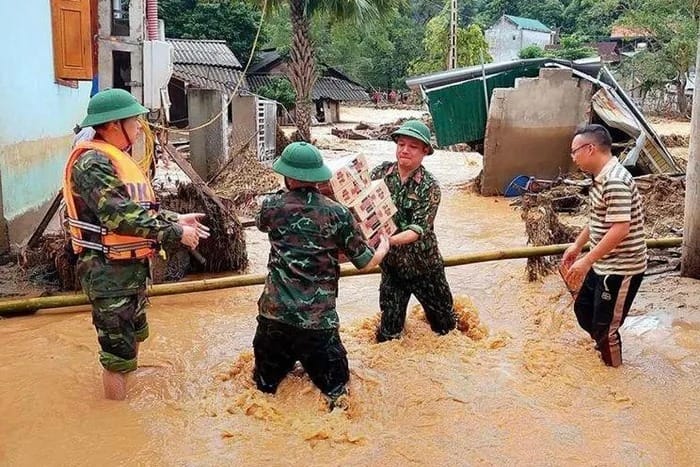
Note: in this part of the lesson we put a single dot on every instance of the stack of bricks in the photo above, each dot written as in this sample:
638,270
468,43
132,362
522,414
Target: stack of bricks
369,201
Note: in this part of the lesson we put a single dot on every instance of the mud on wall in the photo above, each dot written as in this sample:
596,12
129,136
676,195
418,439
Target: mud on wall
37,117
529,128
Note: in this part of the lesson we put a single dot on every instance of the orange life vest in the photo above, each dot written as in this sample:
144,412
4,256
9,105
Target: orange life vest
114,246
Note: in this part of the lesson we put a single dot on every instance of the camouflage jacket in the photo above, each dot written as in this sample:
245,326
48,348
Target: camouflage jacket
417,202
101,198
306,231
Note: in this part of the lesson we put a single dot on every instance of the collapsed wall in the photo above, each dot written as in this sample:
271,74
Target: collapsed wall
530,126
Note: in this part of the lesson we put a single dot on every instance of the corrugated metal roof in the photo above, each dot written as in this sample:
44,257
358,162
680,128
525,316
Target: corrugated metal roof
528,23
203,52
459,111
444,78
326,87
221,78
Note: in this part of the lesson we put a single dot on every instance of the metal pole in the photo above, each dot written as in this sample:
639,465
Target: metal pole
452,62
483,80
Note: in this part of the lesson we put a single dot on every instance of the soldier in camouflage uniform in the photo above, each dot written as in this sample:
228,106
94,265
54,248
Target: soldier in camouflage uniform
297,318
116,288
414,264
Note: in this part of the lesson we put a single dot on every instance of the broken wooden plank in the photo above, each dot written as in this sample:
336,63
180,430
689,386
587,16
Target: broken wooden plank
39,232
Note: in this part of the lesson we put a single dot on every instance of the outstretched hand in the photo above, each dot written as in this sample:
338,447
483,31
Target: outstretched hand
192,220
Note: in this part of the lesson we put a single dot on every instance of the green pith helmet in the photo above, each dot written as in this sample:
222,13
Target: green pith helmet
414,129
111,105
302,161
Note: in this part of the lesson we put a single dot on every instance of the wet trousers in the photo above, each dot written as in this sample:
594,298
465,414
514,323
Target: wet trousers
278,346
431,290
601,308
121,324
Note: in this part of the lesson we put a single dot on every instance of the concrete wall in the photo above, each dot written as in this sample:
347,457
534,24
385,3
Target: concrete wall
208,145
506,40
244,123
132,44
530,127
37,117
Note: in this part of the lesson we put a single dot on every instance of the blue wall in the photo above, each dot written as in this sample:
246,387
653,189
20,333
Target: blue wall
36,114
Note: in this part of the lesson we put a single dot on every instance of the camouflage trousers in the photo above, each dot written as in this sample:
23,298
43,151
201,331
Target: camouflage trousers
278,346
121,324
431,290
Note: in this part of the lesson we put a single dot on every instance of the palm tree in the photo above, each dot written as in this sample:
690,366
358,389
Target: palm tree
302,64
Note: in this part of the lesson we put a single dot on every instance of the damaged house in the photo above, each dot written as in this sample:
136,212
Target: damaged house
525,114
331,89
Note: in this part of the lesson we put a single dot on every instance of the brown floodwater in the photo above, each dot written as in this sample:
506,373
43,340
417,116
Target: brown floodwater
522,386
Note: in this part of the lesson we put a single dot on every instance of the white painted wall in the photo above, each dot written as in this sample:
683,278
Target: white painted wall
506,40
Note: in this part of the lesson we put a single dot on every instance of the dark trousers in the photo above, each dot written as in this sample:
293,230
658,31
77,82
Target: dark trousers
601,308
278,346
431,290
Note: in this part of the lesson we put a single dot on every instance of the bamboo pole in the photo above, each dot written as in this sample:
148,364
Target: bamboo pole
31,305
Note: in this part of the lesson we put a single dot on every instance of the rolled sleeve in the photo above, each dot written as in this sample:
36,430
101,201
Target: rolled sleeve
416,228
363,259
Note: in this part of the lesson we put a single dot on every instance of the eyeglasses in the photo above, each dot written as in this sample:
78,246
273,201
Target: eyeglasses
574,151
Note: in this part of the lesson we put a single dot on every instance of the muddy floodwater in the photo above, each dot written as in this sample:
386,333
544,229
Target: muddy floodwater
522,386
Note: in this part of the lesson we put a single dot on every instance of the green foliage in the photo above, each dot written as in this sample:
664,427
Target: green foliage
491,10
234,21
471,45
673,24
548,12
376,54
573,47
281,90
531,51
647,71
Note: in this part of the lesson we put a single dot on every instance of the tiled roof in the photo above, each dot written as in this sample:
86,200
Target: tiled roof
326,87
203,52
338,89
221,78
528,23
264,59
624,32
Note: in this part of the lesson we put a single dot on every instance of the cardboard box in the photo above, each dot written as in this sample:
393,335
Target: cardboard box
373,225
376,199
350,177
388,228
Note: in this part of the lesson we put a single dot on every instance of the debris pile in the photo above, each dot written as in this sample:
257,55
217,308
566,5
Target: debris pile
674,140
243,181
543,227
664,203
376,132
225,250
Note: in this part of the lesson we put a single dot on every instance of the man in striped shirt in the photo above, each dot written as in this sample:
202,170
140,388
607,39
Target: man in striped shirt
612,270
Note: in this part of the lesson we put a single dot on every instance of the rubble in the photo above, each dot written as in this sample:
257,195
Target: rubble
365,131
674,140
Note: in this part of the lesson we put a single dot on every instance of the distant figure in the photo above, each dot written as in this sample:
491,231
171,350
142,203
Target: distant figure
392,97
614,267
376,98
297,317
